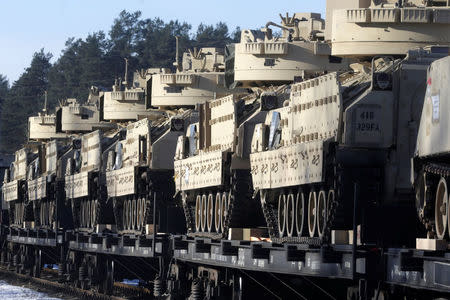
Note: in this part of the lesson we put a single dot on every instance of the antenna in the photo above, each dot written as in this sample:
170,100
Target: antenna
125,82
177,63
45,102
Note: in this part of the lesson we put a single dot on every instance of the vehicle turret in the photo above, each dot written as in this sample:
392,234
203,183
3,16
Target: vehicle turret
71,117
198,78
263,57
354,126
130,101
362,28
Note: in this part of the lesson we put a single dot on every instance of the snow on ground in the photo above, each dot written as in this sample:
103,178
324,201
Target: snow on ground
10,292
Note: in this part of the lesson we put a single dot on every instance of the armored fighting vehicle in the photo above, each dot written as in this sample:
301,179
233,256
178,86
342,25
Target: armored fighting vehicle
15,188
198,78
141,163
212,167
264,57
45,184
70,118
85,185
139,174
139,156
5,163
54,137
351,127
432,153
130,101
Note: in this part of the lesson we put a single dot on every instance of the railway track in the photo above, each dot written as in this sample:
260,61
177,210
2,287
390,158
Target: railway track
49,283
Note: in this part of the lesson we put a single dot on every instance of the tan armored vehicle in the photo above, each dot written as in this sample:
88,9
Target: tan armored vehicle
14,188
211,165
45,183
85,184
139,172
431,156
130,101
200,77
300,52
71,117
353,127
212,170
54,138
383,27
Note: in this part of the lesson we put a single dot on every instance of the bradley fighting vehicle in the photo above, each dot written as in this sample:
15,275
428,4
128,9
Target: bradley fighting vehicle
140,167
84,172
357,126
134,163
55,136
5,163
30,184
212,170
431,159
198,78
14,187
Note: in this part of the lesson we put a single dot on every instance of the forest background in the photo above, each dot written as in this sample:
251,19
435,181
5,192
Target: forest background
97,60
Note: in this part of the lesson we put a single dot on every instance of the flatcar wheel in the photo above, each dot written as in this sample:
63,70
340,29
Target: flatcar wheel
139,209
81,213
290,214
224,210
19,210
312,215
321,212
210,212
423,196
88,213
21,213
124,214
300,213
144,211
47,212
448,215
204,212
281,214
94,212
52,211
138,214
130,215
41,213
134,214
440,208
126,211
218,212
44,213
198,213
330,200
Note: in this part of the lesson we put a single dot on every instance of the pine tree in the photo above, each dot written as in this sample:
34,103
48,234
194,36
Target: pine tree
98,60
25,98
4,87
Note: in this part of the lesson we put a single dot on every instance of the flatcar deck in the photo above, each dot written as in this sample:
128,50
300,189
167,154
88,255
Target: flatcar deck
295,259
418,269
122,245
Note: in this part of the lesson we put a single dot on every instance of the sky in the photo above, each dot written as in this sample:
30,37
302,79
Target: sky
29,25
